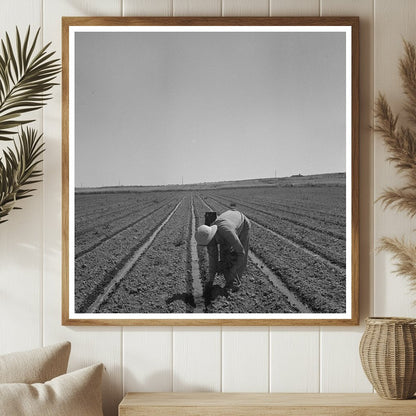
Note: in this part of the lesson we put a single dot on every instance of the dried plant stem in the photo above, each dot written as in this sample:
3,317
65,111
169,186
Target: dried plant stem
405,255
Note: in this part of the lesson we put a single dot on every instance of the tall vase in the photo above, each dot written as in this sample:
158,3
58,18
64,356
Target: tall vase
388,356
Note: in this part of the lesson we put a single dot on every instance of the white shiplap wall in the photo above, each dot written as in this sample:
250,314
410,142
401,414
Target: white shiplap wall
305,359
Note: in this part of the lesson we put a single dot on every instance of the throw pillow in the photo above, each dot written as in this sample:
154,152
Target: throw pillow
35,366
73,394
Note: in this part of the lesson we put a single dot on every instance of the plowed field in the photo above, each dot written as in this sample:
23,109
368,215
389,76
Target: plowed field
135,251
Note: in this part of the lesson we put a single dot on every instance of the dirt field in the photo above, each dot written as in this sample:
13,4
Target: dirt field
135,251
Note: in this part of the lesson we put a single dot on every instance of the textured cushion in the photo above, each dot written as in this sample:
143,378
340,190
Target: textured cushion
35,366
73,394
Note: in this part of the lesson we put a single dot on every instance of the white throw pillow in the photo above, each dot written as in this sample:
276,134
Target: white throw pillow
35,366
73,394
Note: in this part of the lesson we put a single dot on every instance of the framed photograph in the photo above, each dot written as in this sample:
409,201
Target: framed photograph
210,171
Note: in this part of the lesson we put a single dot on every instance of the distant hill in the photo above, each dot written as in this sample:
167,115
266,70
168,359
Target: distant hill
324,179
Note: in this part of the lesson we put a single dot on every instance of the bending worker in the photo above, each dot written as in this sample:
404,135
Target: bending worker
231,232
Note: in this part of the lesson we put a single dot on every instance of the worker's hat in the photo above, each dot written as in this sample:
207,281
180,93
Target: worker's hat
204,234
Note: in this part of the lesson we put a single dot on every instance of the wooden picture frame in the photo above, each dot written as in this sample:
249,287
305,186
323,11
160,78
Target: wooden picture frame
103,296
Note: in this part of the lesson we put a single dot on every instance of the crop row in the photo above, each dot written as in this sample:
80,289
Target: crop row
160,281
89,205
97,267
96,209
104,220
326,246
315,202
273,202
314,282
95,235
320,225
199,210
328,200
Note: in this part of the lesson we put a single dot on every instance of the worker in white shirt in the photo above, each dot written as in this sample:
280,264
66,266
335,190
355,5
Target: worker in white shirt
230,231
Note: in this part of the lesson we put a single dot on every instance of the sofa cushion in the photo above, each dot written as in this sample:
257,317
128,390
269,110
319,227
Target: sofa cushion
35,366
73,394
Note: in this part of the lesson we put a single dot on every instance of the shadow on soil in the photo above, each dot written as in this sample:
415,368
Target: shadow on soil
184,297
216,292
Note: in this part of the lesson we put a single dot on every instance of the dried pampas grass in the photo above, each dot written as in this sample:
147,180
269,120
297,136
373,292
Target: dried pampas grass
401,144
401,199
405,255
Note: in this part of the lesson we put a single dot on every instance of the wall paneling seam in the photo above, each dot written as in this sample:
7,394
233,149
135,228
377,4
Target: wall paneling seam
172,342
122,360
221,361
320,360
269,353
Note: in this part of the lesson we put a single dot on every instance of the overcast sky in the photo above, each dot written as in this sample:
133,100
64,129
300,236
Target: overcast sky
153,108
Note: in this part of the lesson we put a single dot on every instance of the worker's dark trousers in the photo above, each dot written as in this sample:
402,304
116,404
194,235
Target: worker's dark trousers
244,237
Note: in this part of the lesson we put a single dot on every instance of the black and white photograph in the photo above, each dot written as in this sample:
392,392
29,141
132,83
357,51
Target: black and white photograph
210,172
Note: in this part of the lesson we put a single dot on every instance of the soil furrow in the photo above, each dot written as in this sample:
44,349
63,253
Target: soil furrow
99,266
298,201
324,230
277,282
108,237
90,206
103,219
314,214
129,264
197,284
201,251
302,248
93,209
160,281
314,282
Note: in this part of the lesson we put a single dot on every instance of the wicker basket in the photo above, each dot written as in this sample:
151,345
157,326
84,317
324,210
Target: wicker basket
388,356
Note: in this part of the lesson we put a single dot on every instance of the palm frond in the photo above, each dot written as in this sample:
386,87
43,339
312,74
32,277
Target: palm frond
26,78
18,169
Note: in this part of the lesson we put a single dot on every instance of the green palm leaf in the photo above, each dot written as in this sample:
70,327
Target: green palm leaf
18,169
26,78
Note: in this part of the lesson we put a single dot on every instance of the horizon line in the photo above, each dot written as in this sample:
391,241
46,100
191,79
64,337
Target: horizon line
299,175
